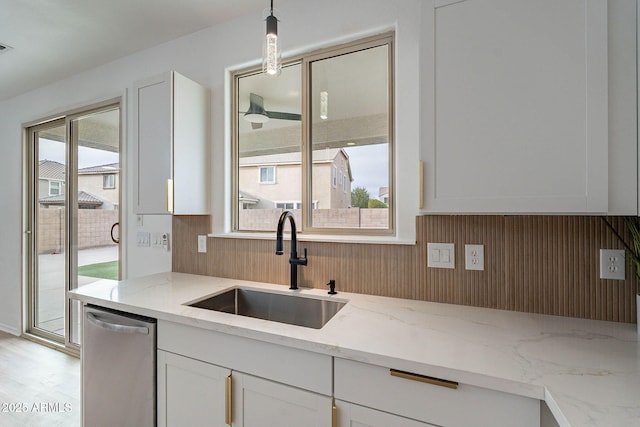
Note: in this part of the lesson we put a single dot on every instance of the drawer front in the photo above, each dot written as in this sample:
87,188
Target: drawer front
437,403
299,368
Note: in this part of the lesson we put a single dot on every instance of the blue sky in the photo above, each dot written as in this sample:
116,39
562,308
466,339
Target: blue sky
369,167
54,150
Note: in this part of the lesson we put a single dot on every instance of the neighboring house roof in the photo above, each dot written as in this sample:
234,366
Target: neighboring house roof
383,191
248,198
51,170
55,171
100,170
319,156
84,199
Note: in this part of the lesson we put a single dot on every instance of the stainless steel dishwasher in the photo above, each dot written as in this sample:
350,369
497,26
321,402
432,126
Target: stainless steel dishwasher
118,369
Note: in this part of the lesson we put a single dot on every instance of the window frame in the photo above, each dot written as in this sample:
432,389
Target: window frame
59,188
267,182
306,60
107,185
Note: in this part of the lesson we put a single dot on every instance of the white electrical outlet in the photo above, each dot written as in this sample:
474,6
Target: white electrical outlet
441,255
474,257
202,244
612,264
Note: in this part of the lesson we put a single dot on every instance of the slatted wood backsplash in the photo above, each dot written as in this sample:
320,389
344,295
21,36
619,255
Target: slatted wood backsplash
539,264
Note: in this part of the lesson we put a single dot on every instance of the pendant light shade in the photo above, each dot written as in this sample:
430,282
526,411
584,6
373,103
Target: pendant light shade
271,53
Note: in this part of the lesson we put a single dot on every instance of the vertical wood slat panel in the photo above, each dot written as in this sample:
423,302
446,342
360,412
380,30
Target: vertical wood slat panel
539,264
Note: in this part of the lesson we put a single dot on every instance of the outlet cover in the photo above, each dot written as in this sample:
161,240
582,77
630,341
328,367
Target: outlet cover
202,244
474,257
612,265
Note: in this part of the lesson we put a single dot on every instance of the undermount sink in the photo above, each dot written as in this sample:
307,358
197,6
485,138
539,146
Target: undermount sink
291,309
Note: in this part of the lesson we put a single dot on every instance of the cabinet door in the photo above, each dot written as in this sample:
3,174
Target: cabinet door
153,132
190,393
519,121
190,147
350,415
261,403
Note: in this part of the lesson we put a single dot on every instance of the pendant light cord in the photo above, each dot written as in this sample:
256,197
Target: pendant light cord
271,7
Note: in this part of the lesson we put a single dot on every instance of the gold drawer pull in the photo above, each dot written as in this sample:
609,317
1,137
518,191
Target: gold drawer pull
423,379
334,415
227,411
170,195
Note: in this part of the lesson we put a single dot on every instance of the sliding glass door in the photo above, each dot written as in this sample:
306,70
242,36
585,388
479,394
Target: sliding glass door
74,216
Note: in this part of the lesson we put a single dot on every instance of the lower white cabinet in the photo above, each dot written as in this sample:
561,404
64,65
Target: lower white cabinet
261,403
194,393
190,392
429,400
350,415
208,378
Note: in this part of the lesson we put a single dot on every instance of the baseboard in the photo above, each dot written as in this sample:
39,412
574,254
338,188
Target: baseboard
10,330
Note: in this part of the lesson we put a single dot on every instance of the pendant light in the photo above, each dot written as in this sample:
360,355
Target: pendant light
271,53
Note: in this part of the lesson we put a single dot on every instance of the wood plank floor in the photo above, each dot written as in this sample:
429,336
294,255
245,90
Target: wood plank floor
39,386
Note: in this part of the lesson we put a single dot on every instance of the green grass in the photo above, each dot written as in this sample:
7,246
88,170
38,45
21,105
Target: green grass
102,270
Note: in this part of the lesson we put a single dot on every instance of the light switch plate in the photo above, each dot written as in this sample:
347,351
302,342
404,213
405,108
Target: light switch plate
143,239
441,255
474,257
612,264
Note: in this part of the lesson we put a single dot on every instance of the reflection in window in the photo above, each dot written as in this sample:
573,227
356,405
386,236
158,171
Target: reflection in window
351,131
346,129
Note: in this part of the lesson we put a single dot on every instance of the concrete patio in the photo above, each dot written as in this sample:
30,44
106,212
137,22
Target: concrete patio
51,292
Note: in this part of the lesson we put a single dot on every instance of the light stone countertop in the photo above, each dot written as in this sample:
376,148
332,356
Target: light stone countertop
587,371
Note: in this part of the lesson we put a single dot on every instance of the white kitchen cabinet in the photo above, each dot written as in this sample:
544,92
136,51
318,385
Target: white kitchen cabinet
516,106
409,396
261,403
271,385
171,116
190,392
350,415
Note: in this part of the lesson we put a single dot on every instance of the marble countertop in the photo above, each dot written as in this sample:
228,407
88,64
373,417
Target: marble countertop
587,371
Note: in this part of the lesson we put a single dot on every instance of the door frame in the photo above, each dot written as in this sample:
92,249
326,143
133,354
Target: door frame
29,258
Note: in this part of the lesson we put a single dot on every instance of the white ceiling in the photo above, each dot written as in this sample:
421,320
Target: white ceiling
51,40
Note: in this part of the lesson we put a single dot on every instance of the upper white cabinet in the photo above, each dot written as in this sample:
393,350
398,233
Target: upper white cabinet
516,106
171,116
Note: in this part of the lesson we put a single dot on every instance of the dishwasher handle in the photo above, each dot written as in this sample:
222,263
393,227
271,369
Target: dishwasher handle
116,327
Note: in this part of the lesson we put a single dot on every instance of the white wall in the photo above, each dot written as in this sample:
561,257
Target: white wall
204,57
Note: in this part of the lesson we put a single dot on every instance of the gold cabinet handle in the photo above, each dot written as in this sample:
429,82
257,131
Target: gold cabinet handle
423,379
170,195
334,415
421,186
227,409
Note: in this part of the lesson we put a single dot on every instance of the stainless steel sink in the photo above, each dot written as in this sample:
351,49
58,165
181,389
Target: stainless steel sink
291,309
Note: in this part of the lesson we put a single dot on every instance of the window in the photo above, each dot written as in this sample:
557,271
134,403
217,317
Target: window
288,205
109,181
341,136
55,188
268,175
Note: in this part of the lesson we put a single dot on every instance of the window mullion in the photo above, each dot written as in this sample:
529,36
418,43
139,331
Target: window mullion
306,174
